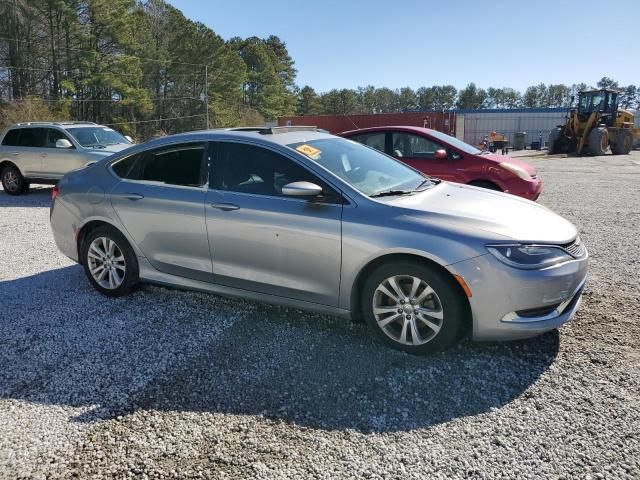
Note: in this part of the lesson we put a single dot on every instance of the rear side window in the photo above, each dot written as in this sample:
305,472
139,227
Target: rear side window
175,165
125,168
375,140
12,137
31,137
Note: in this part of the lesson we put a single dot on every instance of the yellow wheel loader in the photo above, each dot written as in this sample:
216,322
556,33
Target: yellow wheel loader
594,126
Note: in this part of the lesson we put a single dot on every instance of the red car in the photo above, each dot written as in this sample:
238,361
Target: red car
448,158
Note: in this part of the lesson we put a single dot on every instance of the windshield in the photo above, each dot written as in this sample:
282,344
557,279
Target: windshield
454,142
362,167
97,136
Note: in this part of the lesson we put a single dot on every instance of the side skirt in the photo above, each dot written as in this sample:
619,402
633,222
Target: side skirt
151,275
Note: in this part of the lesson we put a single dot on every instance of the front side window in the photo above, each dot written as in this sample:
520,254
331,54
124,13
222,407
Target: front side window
251,169
97,137
375,140
413,146
367,170
173,165
52,137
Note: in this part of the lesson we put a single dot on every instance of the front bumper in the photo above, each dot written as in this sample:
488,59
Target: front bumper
526,189
499,292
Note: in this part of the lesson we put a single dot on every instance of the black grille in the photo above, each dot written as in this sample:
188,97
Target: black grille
537,312
576,248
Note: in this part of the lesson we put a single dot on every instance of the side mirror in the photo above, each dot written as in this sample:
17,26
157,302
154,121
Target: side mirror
441,154
301,189
129,138
63,143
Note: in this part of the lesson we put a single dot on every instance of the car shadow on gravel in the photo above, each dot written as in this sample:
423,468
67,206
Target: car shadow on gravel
39,196
62,343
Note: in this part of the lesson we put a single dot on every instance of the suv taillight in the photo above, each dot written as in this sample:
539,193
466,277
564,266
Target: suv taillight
54,192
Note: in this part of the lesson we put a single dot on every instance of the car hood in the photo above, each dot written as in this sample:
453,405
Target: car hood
494,157
498,213
109,149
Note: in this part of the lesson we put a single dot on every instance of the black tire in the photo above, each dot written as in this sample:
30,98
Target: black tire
448,299
598,141
552,143
485,184
131,273
623,143
13,182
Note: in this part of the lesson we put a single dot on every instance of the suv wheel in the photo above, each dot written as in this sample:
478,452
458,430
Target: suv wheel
109,262
13,182
413,307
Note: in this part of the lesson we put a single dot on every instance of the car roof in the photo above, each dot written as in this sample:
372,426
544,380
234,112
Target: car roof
404,128
263,135
55,124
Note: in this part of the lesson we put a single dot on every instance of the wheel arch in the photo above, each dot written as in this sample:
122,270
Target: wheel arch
90,225
8,163
477,181
369,267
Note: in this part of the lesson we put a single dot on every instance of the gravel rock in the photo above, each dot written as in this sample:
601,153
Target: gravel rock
172,384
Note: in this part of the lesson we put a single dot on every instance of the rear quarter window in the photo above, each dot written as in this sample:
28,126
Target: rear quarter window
11,138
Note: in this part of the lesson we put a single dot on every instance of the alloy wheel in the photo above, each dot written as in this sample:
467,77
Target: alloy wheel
407,310
106,263
11,181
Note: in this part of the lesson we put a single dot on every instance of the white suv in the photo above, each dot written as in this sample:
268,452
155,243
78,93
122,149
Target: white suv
42,152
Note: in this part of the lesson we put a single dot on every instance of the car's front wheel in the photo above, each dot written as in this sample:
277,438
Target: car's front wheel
109,261
413,307
13,182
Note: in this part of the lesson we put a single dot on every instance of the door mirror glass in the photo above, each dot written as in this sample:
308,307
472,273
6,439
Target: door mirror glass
301,189
129,138
63,143
440,154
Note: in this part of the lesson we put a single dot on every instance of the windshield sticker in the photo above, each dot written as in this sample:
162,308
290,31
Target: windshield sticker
309,151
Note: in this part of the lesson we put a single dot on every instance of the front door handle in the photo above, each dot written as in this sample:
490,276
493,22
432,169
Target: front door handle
225,206
133,196
43,154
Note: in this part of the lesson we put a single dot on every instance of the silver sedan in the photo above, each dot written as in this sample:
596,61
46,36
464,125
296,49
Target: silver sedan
301,218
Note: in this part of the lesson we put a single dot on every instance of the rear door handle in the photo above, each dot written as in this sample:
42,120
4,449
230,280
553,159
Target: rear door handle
225,206
133,196
43,154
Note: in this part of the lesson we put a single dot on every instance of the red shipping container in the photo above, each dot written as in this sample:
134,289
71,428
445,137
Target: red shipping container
442,121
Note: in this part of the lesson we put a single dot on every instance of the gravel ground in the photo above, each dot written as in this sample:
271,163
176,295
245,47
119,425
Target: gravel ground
167,384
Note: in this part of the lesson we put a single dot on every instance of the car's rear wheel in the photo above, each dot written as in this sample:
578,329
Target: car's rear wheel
13,182
109,261
413,307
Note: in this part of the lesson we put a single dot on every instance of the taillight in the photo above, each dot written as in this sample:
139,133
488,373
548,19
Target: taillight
54,192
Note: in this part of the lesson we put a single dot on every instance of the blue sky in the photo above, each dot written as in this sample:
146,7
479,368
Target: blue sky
517,43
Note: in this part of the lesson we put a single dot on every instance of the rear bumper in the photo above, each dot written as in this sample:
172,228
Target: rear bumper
63,226
499,292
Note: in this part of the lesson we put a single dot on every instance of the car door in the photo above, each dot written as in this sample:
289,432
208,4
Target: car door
58,161
25,149
264,241
160,202
419,152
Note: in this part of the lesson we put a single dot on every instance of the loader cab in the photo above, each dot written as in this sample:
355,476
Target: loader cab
604,102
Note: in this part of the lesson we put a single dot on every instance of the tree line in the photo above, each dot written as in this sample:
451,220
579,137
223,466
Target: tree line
128,63
143,67
364,100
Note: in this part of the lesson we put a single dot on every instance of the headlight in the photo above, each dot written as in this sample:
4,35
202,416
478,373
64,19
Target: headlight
520,172
529,257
